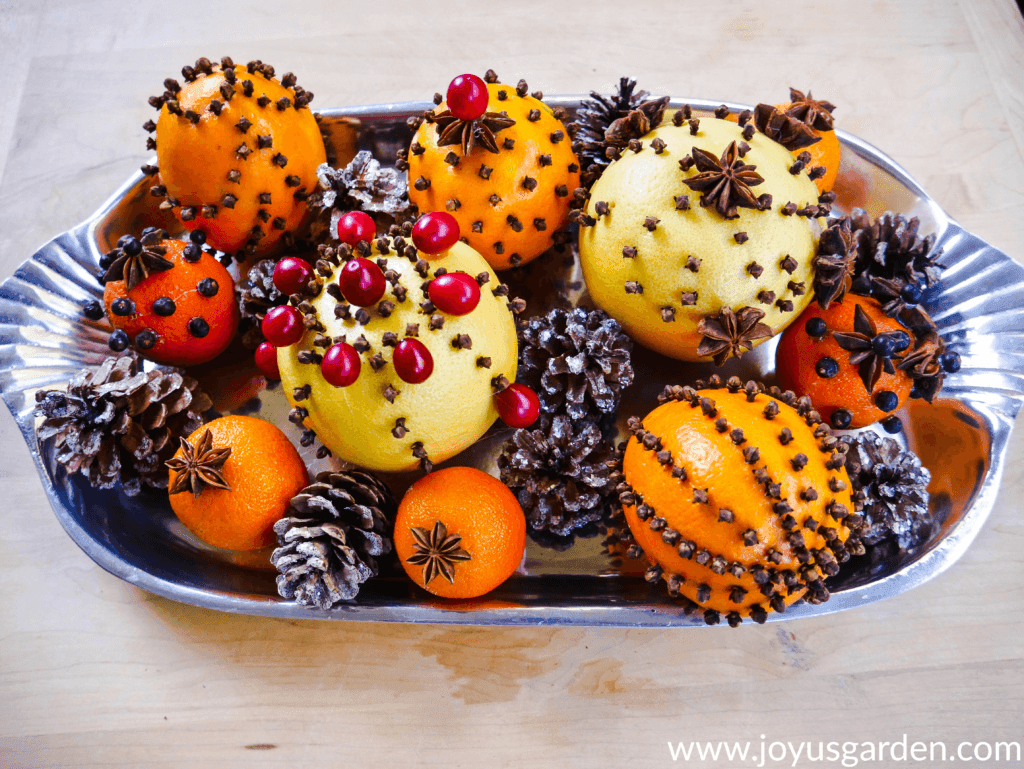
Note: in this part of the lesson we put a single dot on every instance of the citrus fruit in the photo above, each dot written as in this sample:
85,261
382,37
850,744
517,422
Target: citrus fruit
234,480
459,532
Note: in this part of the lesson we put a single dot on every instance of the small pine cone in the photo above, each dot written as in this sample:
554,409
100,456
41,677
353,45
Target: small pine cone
564,475
257,294
577,361
328,545
890,248
117,424
891,487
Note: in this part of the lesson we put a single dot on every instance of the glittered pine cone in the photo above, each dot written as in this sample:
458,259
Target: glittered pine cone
117,424
564,475
363,185
578,362
256,295
892,487
336,529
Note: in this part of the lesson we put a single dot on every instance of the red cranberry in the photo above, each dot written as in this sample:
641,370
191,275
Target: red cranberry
455,293
341,365
355,226
413,361
291,275
518,405
283,326
362,282
266,361
467,97
435,233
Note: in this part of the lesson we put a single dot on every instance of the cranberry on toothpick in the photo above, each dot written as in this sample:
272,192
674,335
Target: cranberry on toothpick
362,282
467,97
292,275
435,233
455,293
341,365
283,326
518,405
355,226
266,360
413,361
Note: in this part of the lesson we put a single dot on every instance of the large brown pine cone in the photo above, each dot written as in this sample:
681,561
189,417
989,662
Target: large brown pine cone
578,362
118,424
564,475
329,544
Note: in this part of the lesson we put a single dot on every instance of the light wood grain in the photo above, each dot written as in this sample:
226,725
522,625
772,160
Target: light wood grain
94,672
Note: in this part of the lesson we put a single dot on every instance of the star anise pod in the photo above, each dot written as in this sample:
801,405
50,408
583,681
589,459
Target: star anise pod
636,123
135,260
453,130
725,182
792,133
890,294
437,551
871,350
816,114
728,332
834,263
199,467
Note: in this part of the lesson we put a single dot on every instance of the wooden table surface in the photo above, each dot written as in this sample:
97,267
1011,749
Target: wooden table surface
95,673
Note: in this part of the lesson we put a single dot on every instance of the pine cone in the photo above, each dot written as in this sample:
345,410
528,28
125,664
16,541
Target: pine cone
337,528
257,294
889,248
363,185
605,124
563,475
892,487
117,424
577,361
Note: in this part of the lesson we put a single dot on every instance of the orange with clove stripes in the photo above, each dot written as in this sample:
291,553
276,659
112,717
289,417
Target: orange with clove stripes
237,153
509,203
243,491
739,499
459,532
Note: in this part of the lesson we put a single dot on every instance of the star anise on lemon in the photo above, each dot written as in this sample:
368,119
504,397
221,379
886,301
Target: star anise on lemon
725,181
728,332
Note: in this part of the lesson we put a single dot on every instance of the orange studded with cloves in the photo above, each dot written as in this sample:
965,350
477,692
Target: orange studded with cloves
511,203
739,498
237,153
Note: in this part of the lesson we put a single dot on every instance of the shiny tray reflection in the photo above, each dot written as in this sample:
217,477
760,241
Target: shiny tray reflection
979,307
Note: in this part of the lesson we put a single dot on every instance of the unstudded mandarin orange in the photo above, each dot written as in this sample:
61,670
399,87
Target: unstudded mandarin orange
809,361
237,153
508,203
731,497
182,316
263,471
462,529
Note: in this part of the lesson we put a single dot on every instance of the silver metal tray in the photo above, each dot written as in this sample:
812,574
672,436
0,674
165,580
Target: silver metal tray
979,307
